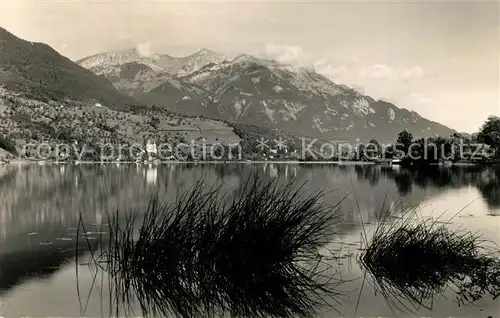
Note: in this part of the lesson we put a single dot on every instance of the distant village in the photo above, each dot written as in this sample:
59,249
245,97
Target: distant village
206,152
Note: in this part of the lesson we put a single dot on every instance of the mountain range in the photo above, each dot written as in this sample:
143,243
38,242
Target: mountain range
257,91
99,63
244,91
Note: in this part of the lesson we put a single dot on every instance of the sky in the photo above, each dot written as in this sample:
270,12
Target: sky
438,58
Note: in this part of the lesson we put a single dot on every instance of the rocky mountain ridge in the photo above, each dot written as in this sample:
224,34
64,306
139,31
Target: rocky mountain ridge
269,94
99,63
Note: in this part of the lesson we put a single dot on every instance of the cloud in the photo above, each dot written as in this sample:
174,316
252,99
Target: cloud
386,72
415,71
404,85
144,49
380,71
286,53
419,98
324,68
380,80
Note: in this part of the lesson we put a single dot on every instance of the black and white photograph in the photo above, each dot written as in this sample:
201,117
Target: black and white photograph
249,159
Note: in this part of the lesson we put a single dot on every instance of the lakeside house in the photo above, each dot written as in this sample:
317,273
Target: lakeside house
151,150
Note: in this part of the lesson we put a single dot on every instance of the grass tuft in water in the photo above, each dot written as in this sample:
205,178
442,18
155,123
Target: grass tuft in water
208,255
415,259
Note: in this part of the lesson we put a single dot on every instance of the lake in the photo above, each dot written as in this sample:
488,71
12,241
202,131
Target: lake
41,204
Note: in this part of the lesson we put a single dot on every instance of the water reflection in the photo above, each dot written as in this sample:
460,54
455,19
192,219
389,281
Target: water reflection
485,179
34,263
34,196
151,175
489,185
50,193
45,200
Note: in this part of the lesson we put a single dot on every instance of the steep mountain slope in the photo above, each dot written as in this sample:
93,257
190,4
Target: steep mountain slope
25,120
268,94
39,71
153,87
152,79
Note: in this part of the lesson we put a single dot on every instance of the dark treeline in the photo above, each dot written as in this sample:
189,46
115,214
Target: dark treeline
479,148
485,179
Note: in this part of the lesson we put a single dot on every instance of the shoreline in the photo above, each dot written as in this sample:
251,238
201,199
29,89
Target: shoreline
289,162
43,162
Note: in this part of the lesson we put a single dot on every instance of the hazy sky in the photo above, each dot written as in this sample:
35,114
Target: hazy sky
439,58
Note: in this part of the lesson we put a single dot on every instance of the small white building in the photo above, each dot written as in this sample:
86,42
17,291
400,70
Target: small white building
151,149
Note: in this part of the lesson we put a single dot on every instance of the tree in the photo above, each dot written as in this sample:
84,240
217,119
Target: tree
490,132
154,122
65,134
419,151
359,153
8,144
404,141
389,152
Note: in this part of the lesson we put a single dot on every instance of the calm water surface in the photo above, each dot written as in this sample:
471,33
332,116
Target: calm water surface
39,208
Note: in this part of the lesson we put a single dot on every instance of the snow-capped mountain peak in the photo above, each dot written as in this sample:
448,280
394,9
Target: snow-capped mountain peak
118,57
158,62
208,53
199,59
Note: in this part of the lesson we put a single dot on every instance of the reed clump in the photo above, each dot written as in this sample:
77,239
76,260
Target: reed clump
208,255
412,260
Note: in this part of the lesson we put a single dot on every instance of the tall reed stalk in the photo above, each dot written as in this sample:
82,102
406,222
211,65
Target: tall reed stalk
413,259
209,255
